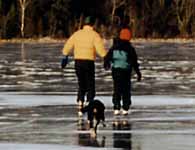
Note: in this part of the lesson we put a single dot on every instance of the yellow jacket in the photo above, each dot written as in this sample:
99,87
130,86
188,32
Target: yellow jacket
85,43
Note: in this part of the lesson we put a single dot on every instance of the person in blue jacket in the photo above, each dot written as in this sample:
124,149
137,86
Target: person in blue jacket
122,58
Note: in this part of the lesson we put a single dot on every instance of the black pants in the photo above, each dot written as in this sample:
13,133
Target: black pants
122,88
85,71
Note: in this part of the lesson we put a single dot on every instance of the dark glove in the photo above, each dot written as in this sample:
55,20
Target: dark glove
103,123
106,66
139,76
64,62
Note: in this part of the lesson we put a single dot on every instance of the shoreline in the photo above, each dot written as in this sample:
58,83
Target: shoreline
62,40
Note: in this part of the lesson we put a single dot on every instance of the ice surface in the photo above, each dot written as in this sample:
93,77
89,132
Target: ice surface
8,146
39,100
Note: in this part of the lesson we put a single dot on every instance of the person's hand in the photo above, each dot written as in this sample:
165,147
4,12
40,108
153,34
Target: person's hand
64,62
104,124
139,76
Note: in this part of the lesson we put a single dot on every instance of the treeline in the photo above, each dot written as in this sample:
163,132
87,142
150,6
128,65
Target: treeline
59,18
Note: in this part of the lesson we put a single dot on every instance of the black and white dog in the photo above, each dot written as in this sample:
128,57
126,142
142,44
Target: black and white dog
95,114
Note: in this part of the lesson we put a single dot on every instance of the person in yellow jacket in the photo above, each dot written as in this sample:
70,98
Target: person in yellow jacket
85,43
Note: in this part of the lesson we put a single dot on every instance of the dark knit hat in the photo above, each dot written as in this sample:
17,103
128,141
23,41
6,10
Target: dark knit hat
125,34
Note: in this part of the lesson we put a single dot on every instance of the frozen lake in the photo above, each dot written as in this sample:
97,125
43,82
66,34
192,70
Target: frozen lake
167,68
38,109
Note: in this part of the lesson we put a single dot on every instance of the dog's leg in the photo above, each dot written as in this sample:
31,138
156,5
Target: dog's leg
95,128
92,133
92,130
102,118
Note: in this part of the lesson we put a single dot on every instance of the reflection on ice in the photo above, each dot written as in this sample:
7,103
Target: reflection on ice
122,139
52,119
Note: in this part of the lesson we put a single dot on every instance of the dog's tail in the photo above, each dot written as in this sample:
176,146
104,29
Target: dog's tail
85,109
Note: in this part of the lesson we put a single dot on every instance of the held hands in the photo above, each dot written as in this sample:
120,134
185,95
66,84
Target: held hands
64,62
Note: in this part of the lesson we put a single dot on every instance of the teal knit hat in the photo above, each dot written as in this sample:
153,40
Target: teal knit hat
89,20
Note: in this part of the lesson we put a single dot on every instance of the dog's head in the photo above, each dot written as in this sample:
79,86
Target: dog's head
97,108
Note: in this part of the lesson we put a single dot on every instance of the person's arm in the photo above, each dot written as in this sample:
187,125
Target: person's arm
69,45
99,46
135,63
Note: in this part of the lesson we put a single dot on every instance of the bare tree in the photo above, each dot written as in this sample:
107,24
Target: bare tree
185,10
5,18
162,3
116,4
114,20
23,6
59,16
